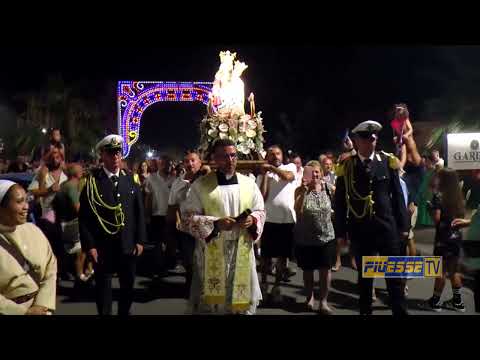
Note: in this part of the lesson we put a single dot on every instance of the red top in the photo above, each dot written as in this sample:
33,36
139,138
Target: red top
397,126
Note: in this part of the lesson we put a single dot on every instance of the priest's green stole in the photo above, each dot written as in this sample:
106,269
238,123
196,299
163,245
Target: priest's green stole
215,270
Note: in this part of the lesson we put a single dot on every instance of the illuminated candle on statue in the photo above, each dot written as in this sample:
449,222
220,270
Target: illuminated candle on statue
251,98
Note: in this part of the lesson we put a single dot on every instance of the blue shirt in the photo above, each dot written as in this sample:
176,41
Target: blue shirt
403,184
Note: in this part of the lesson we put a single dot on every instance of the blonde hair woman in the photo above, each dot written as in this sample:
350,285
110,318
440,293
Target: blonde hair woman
315,245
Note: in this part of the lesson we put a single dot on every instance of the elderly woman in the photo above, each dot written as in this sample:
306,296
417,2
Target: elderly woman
315,244
28,268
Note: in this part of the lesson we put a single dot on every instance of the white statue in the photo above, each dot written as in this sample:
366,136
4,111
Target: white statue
228,91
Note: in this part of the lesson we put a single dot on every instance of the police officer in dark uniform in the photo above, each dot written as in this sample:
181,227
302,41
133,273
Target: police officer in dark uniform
112,226
370,207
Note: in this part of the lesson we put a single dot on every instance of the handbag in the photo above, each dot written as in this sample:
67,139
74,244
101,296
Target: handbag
452,236
451,239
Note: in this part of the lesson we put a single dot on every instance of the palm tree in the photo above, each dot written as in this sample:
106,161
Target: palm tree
458,107
62,106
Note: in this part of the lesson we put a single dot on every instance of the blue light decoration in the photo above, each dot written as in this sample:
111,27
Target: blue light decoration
134,97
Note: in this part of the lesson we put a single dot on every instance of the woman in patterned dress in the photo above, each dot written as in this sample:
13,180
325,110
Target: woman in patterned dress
315,244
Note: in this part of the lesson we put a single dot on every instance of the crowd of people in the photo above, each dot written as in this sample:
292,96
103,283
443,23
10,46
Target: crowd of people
95,219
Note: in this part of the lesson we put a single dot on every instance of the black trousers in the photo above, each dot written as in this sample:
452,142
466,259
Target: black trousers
368,245
163,233
157,229
125,267
186,244
53,232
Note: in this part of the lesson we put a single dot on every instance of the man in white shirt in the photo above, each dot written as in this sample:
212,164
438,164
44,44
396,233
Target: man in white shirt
438,162
277,185
46,183
328,173
157,190
44,186
178,194
297,160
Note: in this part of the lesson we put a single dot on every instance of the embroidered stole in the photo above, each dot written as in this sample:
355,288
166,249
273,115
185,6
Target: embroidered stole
214,289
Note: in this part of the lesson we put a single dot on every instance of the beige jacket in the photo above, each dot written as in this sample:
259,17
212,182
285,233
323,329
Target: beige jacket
15,282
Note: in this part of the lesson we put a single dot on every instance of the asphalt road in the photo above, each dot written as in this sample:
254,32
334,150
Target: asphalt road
164,296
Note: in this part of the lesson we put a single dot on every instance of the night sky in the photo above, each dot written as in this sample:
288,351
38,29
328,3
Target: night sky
320,89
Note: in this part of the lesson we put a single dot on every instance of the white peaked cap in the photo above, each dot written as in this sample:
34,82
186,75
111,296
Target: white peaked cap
367,126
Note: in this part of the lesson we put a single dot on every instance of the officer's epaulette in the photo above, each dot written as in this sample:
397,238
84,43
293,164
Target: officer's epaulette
136,178
340,166
131,174
90,172
98,171
393,161
339,169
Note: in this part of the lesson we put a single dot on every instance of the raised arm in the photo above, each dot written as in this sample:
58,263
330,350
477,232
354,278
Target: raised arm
282,174
38,186
408,128
398,202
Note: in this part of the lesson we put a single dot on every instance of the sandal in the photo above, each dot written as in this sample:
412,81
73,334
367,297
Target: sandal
309,306
336,268
325,311
354,264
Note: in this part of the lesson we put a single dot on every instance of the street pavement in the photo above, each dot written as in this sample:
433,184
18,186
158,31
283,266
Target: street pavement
164,296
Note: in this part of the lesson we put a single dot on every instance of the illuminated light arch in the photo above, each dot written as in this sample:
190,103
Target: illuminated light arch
134,97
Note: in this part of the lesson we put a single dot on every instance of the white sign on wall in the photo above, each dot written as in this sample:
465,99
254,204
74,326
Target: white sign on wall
463,151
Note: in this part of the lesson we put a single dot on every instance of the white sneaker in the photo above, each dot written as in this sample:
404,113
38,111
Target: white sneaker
89,275
451,305
179,269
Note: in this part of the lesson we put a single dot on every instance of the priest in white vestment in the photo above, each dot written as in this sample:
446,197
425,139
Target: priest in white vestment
224,211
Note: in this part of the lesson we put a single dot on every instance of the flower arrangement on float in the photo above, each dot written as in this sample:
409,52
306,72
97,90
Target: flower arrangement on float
226,117
246,131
